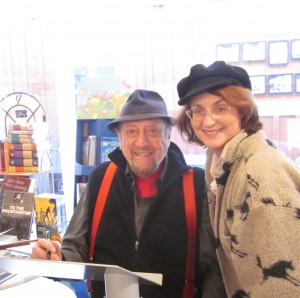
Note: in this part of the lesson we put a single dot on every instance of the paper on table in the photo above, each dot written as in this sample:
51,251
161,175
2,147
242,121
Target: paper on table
5,239
39,287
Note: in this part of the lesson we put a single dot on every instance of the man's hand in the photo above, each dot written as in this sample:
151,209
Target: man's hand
47,250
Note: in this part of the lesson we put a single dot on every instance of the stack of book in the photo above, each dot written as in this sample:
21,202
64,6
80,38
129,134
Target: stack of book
21,151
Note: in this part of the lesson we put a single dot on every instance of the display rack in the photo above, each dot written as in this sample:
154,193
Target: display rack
21,107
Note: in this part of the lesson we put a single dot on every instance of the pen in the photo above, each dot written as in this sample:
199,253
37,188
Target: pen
15,244
48,255
47,235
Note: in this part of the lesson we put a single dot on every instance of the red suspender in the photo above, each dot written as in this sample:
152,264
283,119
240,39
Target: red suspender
100,203
190,214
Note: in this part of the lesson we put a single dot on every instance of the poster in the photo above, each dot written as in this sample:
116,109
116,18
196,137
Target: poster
100,92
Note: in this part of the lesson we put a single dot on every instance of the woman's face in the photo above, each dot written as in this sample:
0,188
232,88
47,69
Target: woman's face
214,121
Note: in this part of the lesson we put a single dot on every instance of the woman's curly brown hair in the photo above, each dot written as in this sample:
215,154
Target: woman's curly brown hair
236,96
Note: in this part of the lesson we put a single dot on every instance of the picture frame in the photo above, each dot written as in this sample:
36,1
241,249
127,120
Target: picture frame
297,82
278,52
295,49
280,83
254,51
258,83
229,52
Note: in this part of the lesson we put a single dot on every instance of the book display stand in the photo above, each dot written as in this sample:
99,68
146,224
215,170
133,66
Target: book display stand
25,109
119,282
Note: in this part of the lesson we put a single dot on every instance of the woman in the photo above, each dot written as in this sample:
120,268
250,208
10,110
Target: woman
253,188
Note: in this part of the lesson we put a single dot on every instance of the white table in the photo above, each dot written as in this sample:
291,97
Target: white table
35,287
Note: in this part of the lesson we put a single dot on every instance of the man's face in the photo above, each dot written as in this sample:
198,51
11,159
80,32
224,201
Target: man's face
144,144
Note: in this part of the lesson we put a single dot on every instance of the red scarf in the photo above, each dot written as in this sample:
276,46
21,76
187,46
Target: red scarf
146,186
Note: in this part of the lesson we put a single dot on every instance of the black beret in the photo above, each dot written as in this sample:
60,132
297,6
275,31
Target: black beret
217,75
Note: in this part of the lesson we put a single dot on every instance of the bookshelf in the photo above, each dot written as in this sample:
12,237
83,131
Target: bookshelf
87,127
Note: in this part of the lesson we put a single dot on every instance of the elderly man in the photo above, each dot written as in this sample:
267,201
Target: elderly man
143,224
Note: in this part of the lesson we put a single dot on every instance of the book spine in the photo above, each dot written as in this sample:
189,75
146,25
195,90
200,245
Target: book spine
6,156
18,137
21,127
85,150
16,183
22,169
92,150
2,163
20,132
27,162
22,147
23,154
20,140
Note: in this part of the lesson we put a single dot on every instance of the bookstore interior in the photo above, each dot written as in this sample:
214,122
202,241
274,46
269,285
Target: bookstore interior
61,84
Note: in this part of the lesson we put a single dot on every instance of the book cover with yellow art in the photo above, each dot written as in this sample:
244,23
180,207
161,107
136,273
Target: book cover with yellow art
50,215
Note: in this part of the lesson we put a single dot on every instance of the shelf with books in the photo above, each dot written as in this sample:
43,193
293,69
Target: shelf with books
85,128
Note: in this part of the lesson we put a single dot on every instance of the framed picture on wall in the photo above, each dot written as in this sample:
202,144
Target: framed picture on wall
295,49
297,82
280,83
258,83
278,52
254,51
229,52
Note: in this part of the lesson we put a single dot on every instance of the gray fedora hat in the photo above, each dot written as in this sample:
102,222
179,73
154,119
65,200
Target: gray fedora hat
141,105
217,75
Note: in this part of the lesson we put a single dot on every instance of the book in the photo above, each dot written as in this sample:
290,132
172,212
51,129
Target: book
23,126
92,150
18,136
23,169
13,147
107,145
6,156
25,162
23,154
85,150
89,150
17,213
20,140
2,163
20,132
50,212
18,183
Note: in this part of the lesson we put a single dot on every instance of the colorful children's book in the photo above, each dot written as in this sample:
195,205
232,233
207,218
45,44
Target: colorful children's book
107,145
